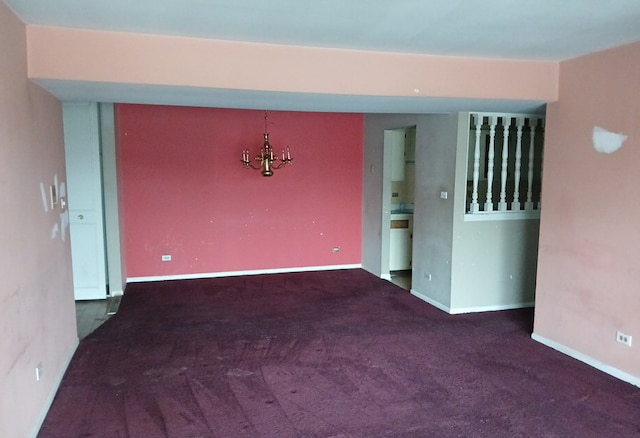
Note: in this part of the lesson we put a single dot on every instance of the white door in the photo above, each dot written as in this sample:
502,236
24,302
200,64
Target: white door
84,191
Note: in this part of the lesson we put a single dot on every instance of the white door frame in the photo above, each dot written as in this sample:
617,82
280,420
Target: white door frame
114,238
385,235
84,196
90,149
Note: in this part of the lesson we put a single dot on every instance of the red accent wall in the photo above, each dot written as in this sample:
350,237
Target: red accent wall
186,194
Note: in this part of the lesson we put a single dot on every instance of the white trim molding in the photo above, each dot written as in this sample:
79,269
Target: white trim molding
477,309
460,310
240,273
431,301
502,215
608,369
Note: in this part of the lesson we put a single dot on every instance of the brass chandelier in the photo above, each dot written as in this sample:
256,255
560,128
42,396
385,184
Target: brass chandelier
267,160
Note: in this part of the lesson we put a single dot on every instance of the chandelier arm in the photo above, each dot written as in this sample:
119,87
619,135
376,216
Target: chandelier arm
248,165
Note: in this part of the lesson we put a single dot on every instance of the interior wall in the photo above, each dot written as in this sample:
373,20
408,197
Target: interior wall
587,283
433,225
494,261
458,266
37,314
434,171
186,193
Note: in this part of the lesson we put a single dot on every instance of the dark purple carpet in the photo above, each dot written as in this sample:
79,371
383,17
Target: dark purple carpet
325,354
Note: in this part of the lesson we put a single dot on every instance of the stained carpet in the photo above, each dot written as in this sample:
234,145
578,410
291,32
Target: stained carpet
325,354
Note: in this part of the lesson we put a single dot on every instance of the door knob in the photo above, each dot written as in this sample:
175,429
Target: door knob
80,216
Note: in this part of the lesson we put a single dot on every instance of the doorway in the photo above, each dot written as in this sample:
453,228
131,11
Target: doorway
398,193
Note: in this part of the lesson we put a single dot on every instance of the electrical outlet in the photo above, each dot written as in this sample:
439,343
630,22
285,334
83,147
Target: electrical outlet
624,338
39,372
427,276
166,258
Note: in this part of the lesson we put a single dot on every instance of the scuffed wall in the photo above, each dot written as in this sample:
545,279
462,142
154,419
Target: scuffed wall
37,315
186,194
587,284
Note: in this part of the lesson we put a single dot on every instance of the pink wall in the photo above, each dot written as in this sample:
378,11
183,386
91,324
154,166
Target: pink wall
185,192
588,278
37,318
120,57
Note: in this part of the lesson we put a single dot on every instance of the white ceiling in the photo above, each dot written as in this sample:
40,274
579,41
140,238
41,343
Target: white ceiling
528,29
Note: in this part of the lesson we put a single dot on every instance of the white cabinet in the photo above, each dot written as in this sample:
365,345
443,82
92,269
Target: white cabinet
400,244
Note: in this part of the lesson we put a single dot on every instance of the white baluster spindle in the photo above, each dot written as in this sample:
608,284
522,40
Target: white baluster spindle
541,166
533,122
475,207
516,190
488,205
506,123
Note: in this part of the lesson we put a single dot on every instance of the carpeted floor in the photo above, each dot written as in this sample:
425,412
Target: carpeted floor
325,354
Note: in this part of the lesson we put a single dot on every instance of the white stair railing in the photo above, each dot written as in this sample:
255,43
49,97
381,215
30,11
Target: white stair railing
504,136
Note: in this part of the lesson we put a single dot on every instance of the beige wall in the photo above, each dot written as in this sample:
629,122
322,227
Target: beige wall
588,277
37,319
126,58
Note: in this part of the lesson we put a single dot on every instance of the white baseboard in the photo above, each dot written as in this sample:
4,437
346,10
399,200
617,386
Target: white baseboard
431,301
386,277
608,369
240,273
458,310
47,404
